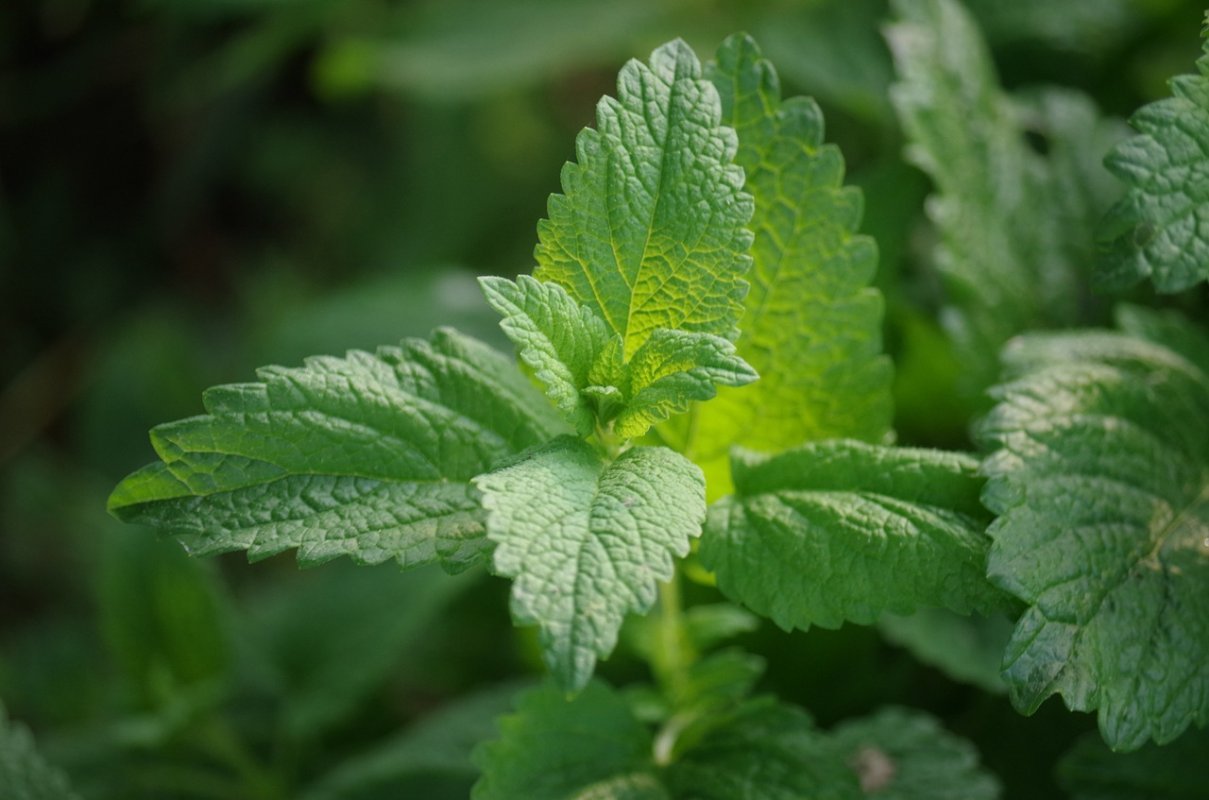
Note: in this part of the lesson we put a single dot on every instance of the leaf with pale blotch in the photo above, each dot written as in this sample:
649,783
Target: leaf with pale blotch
843,530
585,541
812,325
559,339
900,754
1100,477
368,456
1158,229
649,228
672,369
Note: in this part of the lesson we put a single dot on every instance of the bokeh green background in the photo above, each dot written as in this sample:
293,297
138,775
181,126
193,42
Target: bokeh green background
192,188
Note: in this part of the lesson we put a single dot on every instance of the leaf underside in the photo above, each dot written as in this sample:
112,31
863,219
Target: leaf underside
1100,475
368,456
843,530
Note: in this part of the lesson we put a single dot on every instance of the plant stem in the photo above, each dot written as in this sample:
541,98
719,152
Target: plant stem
673,654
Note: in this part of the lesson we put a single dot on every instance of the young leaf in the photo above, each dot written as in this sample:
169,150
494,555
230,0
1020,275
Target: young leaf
673,368
1157,228
1099,478
553,748
907,755
1090,771
586,541
368,456
24,774
649,231
842,530
557,337
1008,254
812,327
761,749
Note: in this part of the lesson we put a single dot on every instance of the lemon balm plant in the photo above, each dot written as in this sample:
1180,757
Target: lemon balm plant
699,392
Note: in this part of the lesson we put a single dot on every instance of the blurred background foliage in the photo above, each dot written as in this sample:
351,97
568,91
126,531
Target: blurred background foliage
192,188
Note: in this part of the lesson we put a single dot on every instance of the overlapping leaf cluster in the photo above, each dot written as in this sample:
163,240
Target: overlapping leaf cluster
704,238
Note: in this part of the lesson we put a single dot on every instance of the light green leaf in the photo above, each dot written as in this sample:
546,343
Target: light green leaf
812,327
24,774
1090,771
559,339
762,750
672,369
368,456
1100,475
586,541
1157,230
906,755
1009,247
589,747
966,648
842,530
649,231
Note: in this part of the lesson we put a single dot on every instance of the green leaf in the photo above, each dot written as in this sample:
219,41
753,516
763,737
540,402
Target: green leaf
966,648
452,51
592,746
1156,231
1100,478
24,774
762,750
906,755
586,541
812,327
843,530
368,456
163,618
1090,771
672,369
1009,250
572,351
554,748
1085,27
559,339
649,231
359,626
834,47
440,743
